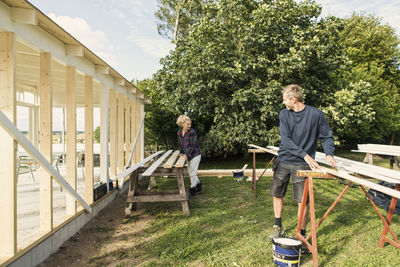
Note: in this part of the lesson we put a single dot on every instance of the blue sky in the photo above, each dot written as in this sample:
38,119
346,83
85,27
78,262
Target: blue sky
124,33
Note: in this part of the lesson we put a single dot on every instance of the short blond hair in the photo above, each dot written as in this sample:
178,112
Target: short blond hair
181,120
293,91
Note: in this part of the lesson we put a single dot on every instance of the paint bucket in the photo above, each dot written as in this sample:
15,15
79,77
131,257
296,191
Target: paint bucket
286,251
238,175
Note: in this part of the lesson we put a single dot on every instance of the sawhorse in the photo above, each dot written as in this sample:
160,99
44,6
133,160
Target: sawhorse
309,193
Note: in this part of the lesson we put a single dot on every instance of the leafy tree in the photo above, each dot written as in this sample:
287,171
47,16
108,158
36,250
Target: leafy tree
96,134
159,126
175,17
366,110
228,72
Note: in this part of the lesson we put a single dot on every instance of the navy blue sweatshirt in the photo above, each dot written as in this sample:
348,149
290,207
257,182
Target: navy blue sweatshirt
300,132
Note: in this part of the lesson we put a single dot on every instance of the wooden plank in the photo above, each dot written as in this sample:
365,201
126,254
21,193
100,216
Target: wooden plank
45,139
155,193
391,148
8,196
181,162
113,133
127,129
269,150
377,187
71,205
136,166
362,168
228,172
155,165
256,151
120,132
156,198
314,174
89,171
170,162
379,152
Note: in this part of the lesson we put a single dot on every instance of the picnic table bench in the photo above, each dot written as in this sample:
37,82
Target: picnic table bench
174,167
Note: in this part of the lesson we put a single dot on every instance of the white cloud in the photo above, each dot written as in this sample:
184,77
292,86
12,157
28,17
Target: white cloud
142,29
95,40
155,47
387,10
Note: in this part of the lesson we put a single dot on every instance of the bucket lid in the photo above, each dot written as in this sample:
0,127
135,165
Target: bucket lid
286,242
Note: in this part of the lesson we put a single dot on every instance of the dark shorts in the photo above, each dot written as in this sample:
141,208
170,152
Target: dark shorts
282,173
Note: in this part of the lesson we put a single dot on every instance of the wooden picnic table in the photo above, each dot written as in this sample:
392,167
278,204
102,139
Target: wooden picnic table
173,167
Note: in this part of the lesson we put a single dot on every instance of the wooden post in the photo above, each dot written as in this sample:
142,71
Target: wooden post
71,205
120,166
104,134
141,150
254,175
89,175
182,190
113,133
127,129
46,140
133,125
8,196
138,120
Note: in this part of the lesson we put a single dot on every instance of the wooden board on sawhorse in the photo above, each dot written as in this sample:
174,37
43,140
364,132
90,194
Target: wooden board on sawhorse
170,170
308,193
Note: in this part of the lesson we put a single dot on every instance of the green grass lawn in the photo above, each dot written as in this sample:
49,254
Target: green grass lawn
228,227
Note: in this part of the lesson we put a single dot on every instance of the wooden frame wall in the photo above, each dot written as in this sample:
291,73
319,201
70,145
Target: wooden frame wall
36,38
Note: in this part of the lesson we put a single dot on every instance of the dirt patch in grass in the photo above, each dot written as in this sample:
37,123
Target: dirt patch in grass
107,240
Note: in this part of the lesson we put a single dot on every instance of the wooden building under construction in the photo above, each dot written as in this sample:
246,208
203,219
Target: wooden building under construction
42,68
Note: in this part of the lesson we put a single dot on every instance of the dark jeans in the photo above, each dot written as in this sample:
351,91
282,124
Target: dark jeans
282,173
